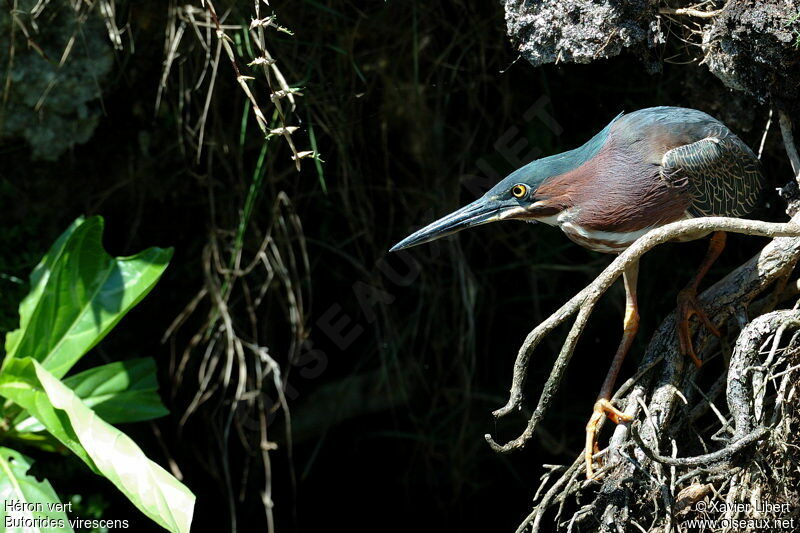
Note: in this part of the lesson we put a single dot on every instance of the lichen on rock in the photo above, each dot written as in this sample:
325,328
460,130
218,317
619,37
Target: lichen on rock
581,31
753,47
52,105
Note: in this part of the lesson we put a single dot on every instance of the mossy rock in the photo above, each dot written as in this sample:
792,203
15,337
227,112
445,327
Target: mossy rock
52,98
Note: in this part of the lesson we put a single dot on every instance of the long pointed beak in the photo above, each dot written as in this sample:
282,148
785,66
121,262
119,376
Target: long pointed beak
481,211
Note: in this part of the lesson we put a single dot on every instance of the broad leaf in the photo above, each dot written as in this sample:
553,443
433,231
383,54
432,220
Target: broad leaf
124,391
20,384
78,293
26,498
104,448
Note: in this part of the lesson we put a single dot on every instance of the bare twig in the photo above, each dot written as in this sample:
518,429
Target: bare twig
689,12
764,136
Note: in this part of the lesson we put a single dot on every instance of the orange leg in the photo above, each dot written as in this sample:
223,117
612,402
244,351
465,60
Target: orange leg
688,306
603,404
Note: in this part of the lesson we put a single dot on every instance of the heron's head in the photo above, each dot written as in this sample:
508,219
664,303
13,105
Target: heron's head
514,198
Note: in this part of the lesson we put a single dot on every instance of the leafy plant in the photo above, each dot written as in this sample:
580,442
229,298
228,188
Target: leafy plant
796,30
78,294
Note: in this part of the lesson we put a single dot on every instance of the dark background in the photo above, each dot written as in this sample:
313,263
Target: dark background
408,101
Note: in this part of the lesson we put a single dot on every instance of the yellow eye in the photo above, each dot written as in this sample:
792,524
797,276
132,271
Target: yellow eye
519,190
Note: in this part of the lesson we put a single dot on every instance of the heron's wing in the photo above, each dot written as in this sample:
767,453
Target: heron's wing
721,173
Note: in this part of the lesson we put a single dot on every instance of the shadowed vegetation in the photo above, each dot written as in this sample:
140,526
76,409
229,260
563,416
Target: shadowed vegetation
403,111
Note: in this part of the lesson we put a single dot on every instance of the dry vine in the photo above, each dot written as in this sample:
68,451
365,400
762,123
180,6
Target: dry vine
222,356
642,487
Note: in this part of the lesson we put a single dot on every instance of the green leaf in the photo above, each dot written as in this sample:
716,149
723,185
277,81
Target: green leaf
19,383
42,440
124,391
78,293
26,498
104,448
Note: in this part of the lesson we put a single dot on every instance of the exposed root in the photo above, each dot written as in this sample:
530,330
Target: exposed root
760,450
583,303
240,385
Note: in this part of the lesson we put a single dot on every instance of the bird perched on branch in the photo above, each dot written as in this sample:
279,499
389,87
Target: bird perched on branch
643,170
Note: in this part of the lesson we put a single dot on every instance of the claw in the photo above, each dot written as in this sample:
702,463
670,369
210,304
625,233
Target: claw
601,407
688,306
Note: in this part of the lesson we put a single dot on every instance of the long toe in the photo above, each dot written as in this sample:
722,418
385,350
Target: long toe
602,408
689,306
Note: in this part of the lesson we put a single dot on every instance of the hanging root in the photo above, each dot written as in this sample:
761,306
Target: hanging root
583,303
649,477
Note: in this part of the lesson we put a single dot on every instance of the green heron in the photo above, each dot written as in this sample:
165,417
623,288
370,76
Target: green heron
643,170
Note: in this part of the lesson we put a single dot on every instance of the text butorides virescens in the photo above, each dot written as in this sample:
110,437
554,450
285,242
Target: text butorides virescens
645,169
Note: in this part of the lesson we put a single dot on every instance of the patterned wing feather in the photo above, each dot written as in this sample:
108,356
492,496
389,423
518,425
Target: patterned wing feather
722,175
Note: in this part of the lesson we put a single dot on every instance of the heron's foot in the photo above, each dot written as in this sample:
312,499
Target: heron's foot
688,306
601,408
